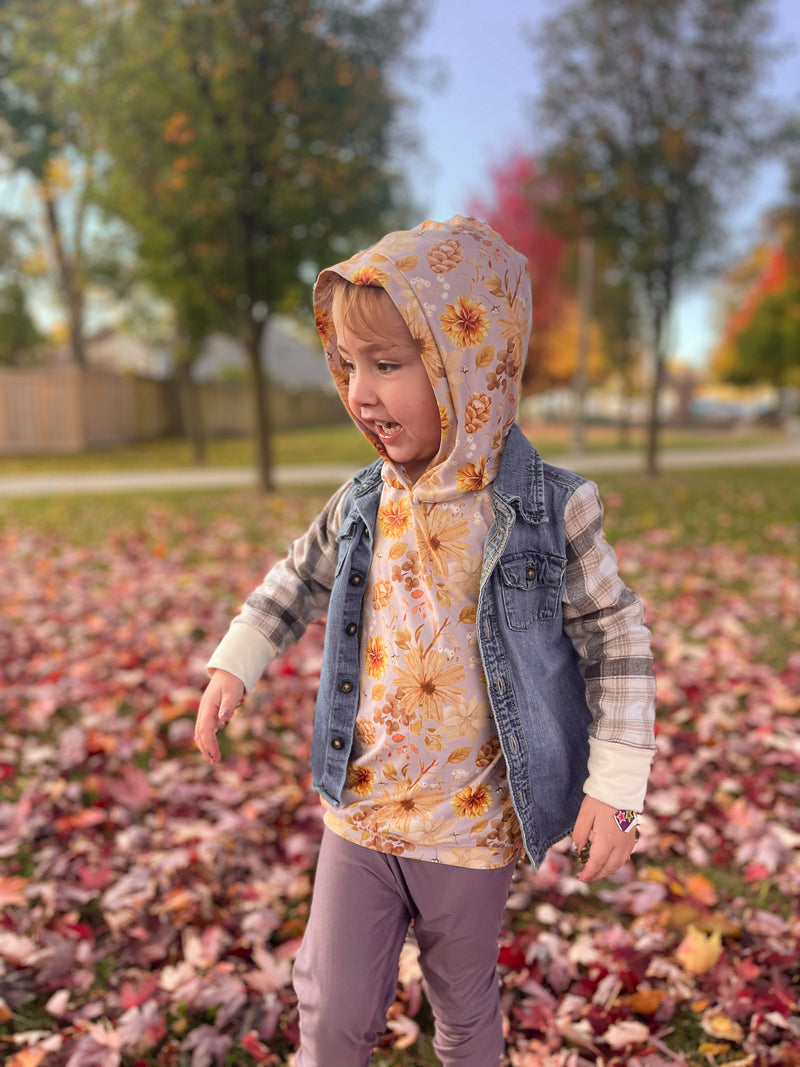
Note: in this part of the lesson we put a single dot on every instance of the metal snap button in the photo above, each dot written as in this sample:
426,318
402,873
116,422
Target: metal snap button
346,687
356,579
351,629
337,743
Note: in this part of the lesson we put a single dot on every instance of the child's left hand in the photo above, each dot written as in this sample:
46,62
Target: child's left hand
610,847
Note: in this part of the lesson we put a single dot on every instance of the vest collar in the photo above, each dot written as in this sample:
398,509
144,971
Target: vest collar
520,477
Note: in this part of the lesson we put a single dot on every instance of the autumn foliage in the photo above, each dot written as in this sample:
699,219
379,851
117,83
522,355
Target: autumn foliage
516,210
761,316
152,906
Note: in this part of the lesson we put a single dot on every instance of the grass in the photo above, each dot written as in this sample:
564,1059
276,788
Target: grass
752,506
338,443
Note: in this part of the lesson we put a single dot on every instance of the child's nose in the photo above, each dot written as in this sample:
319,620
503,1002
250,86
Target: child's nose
360,392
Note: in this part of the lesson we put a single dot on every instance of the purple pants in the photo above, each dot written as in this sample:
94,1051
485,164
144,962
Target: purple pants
345,975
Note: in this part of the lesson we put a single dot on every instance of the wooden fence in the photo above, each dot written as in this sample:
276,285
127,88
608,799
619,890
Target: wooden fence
69,409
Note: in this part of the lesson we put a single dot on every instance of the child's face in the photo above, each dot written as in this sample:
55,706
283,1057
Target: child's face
389,391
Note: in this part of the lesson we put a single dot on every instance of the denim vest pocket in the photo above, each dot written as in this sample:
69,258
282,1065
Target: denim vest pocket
531,587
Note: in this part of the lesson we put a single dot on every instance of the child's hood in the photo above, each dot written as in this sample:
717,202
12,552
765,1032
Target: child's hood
465,296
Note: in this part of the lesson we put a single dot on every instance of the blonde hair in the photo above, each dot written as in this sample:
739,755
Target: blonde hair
362,310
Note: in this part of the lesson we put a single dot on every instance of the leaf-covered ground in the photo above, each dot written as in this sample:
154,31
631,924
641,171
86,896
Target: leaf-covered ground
152,907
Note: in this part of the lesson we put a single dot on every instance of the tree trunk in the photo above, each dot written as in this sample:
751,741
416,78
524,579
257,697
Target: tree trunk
266,480
654,429
581,376
191,413
70,285
624,421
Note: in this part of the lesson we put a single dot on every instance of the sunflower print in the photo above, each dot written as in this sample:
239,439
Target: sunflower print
394,518
443,539
377,657
360,779
472,802
465,322
427,683
473,476
370,275
404,805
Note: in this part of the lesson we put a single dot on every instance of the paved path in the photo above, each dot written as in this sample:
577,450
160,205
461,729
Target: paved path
19,485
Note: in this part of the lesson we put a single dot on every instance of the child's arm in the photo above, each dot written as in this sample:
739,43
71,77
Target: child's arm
604,620
223,695
292,594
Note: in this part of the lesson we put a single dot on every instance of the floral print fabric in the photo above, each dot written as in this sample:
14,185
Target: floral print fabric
426,777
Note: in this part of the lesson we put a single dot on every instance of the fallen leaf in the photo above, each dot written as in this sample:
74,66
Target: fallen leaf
699,952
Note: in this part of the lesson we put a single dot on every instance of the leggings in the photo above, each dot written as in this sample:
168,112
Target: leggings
345,975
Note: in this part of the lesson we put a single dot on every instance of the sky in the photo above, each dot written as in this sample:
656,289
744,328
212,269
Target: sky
480,112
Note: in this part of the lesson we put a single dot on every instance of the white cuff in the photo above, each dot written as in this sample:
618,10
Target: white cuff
618,774
243,652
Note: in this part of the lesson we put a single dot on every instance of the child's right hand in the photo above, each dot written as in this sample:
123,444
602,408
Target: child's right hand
222,697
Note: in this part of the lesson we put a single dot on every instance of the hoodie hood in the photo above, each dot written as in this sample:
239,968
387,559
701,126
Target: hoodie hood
464,295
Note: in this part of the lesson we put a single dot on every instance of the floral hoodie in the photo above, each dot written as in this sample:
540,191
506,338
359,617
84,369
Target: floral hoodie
426,777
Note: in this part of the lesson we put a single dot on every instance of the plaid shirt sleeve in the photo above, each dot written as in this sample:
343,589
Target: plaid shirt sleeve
605,621
296,590
292,594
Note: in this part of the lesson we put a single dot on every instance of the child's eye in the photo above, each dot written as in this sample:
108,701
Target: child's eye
385,368
347,367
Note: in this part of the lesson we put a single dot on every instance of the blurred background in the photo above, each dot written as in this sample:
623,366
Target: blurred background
173,176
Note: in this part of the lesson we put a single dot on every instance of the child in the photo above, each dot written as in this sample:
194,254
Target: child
487,683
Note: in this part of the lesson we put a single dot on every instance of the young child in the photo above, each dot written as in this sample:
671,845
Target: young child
487,683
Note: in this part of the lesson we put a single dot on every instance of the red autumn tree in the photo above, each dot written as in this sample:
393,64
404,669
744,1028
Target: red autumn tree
516,209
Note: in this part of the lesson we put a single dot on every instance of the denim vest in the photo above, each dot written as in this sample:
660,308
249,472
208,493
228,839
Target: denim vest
535,687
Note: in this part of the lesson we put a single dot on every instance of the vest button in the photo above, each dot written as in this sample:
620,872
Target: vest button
356,579
351,629
346,687
530,572
337,743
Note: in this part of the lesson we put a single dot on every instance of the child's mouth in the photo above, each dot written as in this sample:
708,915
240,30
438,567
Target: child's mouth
387,431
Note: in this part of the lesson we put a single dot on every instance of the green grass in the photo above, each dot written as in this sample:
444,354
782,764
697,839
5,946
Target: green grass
336,443
754,506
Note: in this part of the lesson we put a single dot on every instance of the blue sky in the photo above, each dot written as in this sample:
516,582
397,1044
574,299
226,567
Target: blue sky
482,112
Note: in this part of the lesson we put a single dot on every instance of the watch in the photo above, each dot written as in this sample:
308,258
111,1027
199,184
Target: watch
626,819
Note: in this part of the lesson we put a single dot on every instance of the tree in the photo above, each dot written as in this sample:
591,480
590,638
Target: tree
761,302
767,349
515,209
18,331
530,211
649,107
267,151
42,51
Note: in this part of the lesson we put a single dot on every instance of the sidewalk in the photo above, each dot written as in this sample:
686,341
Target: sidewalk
26,485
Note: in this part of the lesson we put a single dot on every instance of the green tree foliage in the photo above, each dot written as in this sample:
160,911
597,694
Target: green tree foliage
767,349
764,333
650,108
18,332
43,57
249,142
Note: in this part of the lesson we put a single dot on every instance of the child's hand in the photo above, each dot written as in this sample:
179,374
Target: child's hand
610,847
222,697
